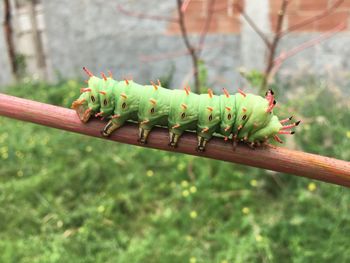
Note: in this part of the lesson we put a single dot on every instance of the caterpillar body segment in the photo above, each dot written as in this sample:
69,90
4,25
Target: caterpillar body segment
183,114
242,117
153,110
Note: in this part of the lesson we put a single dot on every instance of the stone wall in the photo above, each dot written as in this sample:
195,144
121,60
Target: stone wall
95,34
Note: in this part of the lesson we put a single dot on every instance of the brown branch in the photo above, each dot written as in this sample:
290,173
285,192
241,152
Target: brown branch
179,53
8,37
190,48
206,26
310,43
313,19
262,35
270,157
274,45
121,9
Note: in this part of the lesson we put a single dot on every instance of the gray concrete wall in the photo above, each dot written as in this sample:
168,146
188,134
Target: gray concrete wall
5,70
94,34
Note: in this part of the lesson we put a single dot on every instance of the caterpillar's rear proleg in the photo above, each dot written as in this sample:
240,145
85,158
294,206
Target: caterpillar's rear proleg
109,128
143,135
173,139
202,142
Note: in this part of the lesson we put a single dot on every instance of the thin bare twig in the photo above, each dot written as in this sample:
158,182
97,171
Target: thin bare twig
313,19
285,55
145,16
8,37
206,26
190,48
176,54
274,45
262,35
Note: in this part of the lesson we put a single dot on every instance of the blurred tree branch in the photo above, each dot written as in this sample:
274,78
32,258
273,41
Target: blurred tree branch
9,37
193,51
272,65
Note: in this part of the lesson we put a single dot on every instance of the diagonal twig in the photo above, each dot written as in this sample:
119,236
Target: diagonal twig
121,9
313,19
249,20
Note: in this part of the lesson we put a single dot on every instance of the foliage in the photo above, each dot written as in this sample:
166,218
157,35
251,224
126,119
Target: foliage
70,198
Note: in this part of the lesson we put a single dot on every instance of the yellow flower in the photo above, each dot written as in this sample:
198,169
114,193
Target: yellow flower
193,189
181,166
193,214
258,238
348,134
185,193
254,183
312,187
245,210
188,238
20,173
224,261
193,260
88,149
101,209
59,224
184,184
150,173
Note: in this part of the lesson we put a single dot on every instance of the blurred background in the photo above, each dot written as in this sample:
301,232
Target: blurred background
70,198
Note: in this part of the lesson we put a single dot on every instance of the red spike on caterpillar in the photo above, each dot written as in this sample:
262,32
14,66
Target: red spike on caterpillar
277,139
210,93
286,120
110,74
290,126
88,72
104,76
242,93
226,93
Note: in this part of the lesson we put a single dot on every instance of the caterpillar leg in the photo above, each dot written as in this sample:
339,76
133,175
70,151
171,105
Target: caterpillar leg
143,135
202,142
109,128
173,139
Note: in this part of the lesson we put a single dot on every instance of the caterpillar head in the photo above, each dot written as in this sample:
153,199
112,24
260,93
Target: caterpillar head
88,103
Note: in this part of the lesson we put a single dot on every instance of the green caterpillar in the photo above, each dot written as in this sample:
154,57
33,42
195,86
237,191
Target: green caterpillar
244,117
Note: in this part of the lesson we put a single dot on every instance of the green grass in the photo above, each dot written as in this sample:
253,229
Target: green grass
70,198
